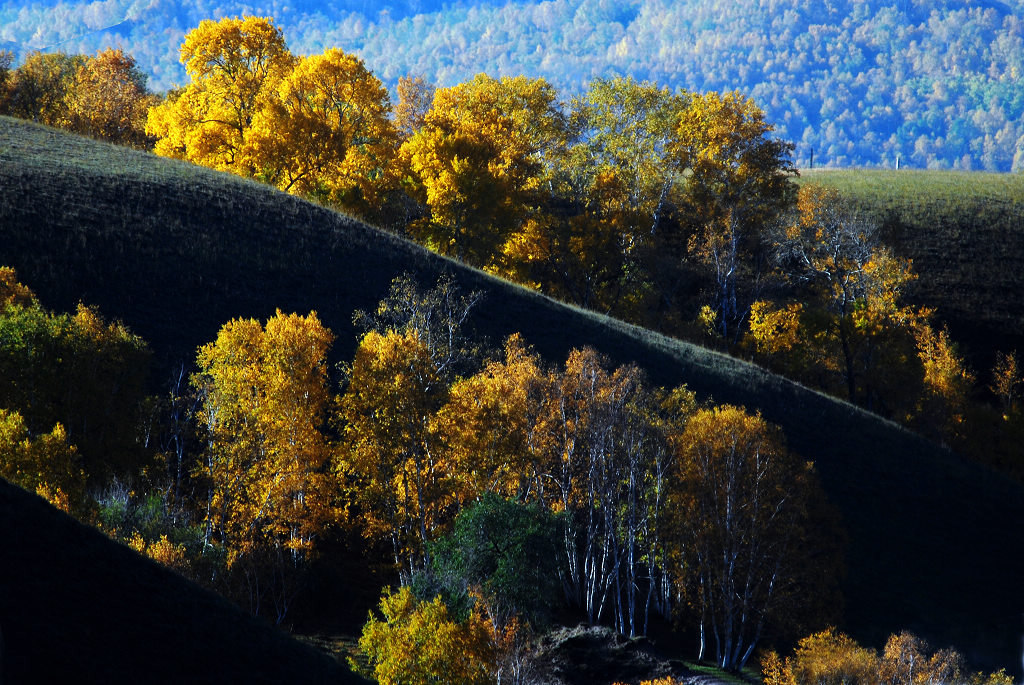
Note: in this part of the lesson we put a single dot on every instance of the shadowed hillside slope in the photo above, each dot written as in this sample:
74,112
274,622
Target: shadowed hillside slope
76,607
175,251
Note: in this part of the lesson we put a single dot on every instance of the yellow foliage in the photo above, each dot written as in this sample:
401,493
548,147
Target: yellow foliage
235,65
476,162
264,404
492,425
832,658
45,464
906,660
946,376
774,331
162,551
775,671
390,460
12,292
418,643
327,132
1007,379
108,99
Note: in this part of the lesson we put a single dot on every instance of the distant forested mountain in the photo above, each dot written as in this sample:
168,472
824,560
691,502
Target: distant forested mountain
932,83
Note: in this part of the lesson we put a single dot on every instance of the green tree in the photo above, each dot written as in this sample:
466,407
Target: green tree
78,371
506,553
39,87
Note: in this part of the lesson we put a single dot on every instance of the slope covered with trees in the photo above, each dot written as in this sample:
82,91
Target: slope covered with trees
932,84
176,251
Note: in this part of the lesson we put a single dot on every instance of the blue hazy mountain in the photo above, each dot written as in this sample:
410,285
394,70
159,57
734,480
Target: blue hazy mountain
933,83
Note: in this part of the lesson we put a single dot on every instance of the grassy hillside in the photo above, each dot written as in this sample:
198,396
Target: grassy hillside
76,607
175,251
965,233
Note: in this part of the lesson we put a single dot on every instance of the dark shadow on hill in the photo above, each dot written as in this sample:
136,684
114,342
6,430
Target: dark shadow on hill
176,251
76,607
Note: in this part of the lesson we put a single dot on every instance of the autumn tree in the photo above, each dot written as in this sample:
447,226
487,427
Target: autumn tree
856,330
266,466
235,66
12,292
739,504
108,99
439,315
46,463
908,660
831,658
39,87
477,162
494,425
395,473
738,181
6,62
947,383
415,96
325,133
80,371
1007,380
615,190
417,642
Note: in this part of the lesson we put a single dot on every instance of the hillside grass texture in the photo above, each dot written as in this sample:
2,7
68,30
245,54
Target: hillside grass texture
175,251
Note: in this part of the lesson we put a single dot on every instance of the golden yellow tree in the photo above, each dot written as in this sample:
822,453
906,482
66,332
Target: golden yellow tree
418,642
908,660
493,426
326,132
832,658
235,66
739,508
401,487
45,464
12,292
476,164
109,100
857,332
1007,381
947,382
266,466
738,180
